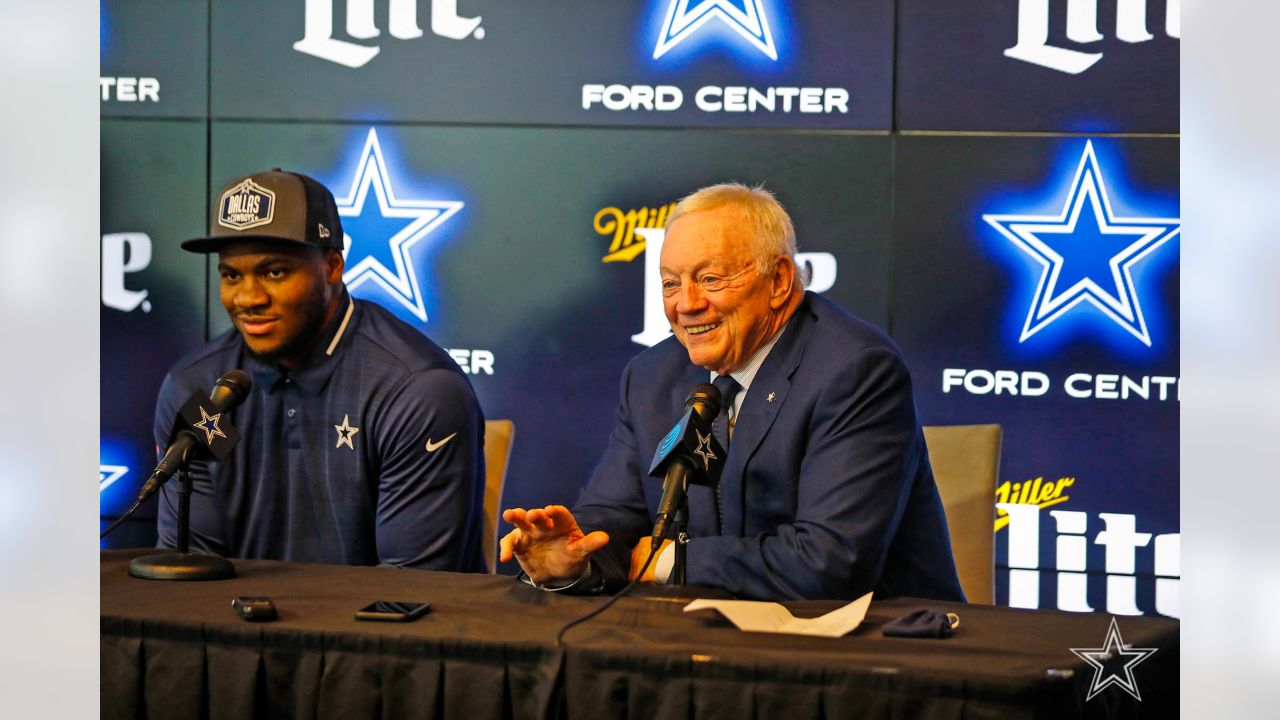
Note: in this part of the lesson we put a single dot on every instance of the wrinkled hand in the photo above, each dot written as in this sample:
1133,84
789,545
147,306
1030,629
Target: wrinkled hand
548,543
639,554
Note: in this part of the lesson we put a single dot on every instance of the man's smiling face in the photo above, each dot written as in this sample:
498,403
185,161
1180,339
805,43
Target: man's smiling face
279,296
717,301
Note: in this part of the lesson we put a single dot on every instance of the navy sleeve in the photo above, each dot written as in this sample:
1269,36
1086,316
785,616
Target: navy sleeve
206,517
430,442
613,499
862,450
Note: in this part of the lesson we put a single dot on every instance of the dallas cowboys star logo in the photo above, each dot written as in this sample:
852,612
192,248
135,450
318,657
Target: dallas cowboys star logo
704,450
1111,647
109,474
209,424
345,433
380,235
749,21
1086,253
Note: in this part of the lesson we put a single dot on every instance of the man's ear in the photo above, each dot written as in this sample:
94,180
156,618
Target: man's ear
782,281
335,266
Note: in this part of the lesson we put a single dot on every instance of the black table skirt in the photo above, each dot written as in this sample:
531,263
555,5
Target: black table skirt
487,650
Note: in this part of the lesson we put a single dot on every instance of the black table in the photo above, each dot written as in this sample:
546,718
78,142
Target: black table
487,650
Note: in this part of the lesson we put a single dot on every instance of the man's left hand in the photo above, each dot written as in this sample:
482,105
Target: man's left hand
639,554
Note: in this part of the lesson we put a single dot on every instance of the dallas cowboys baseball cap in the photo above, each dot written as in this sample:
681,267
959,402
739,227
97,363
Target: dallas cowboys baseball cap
272,206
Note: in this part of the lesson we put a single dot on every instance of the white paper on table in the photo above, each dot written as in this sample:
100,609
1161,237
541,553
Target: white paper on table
752,616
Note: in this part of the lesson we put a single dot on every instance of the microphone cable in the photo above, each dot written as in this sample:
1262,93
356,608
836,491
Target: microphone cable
136,504
608,603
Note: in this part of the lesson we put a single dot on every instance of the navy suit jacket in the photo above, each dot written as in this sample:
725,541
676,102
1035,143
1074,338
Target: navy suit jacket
827,489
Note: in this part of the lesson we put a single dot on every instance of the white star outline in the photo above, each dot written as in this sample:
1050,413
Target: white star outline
206,419
749,22
109,474
427,215
1097,657
704,449
1048,303
346,433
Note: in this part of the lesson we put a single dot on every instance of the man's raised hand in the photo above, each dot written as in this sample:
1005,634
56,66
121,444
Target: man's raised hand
548,543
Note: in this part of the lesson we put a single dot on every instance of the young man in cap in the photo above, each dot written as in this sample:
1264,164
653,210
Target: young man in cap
361,441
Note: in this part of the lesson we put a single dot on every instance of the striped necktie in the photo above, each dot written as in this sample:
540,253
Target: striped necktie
728,388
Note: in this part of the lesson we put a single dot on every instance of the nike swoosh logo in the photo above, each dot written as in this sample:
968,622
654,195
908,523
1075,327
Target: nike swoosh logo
434,446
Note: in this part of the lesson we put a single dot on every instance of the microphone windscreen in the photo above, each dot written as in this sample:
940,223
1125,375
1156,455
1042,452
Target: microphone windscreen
231,389
704,400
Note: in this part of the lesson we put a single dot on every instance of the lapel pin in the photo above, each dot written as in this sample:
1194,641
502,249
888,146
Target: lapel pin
772,396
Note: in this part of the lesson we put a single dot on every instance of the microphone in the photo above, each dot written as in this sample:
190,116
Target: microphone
688,453
199,432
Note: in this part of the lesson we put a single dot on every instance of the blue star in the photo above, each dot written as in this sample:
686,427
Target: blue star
1086,256
749,21
378,239
109,474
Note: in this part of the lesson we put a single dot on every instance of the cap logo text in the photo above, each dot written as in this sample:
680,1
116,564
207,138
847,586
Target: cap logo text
247,205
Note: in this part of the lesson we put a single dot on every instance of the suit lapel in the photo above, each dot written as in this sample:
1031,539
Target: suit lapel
764,400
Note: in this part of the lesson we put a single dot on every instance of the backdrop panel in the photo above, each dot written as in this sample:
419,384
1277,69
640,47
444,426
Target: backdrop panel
153,195
505,169
155,58
539,250
741,63
1036,286
1072,66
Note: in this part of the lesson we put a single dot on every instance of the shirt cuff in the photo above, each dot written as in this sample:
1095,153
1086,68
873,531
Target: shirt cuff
664,564
590,582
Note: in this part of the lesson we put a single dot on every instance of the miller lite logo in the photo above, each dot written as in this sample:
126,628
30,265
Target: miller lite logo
641,231
1035,19
247,205
402,20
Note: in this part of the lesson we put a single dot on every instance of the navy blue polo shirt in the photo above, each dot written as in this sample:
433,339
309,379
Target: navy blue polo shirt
371,452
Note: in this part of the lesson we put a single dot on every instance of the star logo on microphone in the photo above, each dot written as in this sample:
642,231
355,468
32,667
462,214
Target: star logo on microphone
209,424
381,231
1086,253
704,449
747,19
1099,659
345,433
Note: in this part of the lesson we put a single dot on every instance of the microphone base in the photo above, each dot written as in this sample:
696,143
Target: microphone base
182,566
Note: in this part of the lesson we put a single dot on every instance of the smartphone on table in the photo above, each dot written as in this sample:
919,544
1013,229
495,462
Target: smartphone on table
393,611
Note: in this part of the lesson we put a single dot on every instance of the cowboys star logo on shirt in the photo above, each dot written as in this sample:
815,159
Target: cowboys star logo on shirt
346,433
247,205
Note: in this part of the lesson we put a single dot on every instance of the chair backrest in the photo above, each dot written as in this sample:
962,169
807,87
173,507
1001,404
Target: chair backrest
498,436
966,463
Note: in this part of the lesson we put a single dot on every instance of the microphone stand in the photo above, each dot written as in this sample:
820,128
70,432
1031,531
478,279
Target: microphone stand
183,564
679,521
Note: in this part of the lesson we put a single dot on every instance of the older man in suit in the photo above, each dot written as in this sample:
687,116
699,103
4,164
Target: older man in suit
826,491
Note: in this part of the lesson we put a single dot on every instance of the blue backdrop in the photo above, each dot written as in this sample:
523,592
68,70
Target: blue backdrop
1032,279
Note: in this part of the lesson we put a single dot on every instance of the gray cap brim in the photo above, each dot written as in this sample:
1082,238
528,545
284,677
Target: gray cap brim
206,245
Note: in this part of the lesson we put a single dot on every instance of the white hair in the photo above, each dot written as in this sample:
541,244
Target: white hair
769,226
